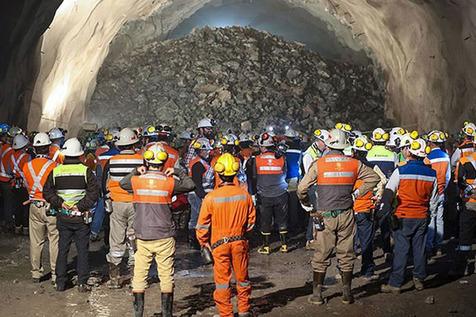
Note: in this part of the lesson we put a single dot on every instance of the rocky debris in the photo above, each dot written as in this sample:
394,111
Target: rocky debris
235,75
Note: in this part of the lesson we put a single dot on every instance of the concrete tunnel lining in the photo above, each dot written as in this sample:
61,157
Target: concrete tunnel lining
410,55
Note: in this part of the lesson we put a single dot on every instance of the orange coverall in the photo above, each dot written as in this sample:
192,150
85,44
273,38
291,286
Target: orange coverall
228,211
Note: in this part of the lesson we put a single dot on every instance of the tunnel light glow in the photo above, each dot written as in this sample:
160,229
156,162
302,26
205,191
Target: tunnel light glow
286,127
270,129
56,98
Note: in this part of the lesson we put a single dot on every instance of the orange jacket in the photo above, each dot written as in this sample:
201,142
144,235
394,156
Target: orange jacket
55,154
36,173
227,211
119,166
172,153
363,203
6,168
102,149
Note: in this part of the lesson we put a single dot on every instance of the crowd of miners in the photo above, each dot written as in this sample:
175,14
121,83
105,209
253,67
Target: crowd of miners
141,185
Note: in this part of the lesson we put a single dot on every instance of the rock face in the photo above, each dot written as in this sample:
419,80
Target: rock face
235,75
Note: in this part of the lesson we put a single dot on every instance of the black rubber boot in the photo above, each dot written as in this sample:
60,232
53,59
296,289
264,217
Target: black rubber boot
317,282
167,304
192,239
347,297
265,249
460,264
284,241
114,276
138,304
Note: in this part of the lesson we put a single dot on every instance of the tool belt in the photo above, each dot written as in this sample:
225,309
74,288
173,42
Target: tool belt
227,240
38,203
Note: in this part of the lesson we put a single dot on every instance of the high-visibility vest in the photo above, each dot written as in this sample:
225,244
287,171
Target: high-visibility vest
19,159
121,165
152,188
471,159
70,196
173,155
195,160
363,203
5,163
414,190
440,162
36,173
268,164
55,154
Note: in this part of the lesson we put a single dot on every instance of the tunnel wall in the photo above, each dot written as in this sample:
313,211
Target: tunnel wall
426,51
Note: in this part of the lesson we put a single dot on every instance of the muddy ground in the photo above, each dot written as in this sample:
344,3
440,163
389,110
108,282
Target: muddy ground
281,285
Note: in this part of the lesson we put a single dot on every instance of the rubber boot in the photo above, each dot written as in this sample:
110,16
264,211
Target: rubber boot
192,239
138,304
317,282
284,244
347,297
167,304
265,249
114,275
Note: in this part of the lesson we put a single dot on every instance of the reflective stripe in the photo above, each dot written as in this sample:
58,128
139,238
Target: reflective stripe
229,199
202,227
152,192
117,254
154,176
437,160
222,286
3,171
116,178
293,151
418,177
381,159
465,248
120,169
172,156
127,161
244,284
104,157
37,178
268,156
15,162
57,153
336,159
270,168
338,174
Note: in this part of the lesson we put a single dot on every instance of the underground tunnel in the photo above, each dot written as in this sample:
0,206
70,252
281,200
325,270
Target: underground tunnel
420,72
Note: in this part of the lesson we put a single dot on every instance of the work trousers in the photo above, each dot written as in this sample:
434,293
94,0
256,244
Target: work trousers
436,226
365,236
121,226
20,210
228,258
79,233
8,203
410,235
467,226
42,228
339,233
195,205
277,208
163,251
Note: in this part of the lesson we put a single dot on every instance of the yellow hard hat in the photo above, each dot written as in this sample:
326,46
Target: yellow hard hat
227,165
156,154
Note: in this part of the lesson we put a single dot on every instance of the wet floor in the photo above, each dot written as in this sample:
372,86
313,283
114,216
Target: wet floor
281,285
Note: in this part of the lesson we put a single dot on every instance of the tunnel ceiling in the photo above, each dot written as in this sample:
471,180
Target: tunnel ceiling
426,51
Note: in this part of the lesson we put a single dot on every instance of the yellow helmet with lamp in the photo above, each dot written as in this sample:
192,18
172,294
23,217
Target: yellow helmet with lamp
227,165
156,154
419,148
379,135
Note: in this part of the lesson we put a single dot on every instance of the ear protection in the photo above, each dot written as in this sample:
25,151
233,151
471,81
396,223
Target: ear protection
414,135
368,146
220,168
161,156
317,132
359,143
196,145
379,136
343,126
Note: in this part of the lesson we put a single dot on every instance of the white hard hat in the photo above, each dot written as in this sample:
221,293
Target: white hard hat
186,135
202,144
419,148
20,141
72,147
291,133
379,135
245,137
230,139
266,139
41,139
337,140
321,134
55,134
397,131
346,127
469,129
149,130
362,143
206,123
127,137
14,131
437,136
405,140
395,140
156,154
